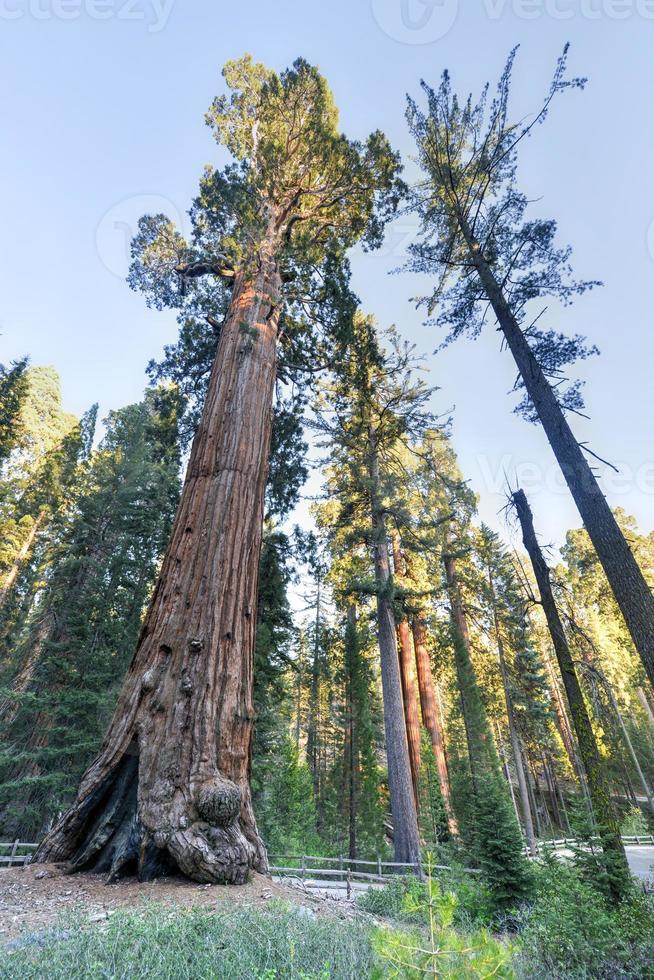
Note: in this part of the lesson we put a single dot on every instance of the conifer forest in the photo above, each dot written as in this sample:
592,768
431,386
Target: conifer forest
264,617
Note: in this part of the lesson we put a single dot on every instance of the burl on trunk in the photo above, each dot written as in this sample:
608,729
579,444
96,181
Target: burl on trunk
170,787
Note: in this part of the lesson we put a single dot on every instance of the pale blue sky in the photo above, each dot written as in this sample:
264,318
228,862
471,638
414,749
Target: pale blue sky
102,119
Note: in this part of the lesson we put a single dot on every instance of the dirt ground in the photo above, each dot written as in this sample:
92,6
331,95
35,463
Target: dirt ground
35,897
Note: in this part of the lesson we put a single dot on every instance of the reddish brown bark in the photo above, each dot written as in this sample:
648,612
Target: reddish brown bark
406,836
170,786
408,673
410,696
430,715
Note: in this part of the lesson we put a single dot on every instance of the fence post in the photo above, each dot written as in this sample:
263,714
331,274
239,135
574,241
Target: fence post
379,867
13,851
304,868
340,864
349,888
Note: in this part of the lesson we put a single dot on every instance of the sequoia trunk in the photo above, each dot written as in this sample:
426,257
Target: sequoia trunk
607,825
406,838
408,672
430,717
170,788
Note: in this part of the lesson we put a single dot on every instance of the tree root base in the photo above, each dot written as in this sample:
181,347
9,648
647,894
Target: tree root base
103,834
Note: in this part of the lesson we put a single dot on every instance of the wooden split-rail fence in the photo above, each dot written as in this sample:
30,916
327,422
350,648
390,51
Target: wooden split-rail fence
339,873
19,852
563,842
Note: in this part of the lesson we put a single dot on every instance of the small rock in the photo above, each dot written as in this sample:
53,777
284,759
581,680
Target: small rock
305,913
42,874
98,917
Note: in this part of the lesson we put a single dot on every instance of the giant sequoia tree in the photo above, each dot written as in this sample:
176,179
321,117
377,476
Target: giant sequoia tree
374,405
171,783
488,254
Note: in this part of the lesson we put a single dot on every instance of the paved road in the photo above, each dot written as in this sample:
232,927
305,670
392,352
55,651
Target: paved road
641,860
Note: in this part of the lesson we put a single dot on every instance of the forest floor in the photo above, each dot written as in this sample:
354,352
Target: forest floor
34,898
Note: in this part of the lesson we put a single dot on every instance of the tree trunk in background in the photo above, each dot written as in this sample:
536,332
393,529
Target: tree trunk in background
477,730
299,683
352,748
430,715
10,577
632,593
565,731
547,772
313,759
10,706
513,731
558,791
170,788
406,838
531,788
647,708
600,793
562,722
630,747
408,672
515,742
507,770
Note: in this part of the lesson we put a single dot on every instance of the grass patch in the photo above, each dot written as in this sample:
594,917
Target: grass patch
438,927
244,943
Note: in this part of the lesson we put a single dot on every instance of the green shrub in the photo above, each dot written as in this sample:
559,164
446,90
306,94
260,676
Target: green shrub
241,943
634,823
390,901
439,950
475,904
474,909
571,931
